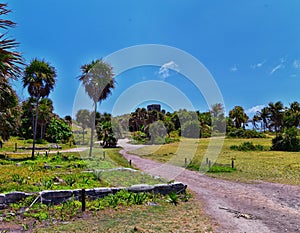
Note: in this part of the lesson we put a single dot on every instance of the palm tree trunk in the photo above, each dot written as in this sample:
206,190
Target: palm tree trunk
35,128
93,129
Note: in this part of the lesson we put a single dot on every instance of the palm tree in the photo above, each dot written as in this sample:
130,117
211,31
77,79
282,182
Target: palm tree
239,117
256,118
83,117
45,114
264,115
10,60
97,78
276,115
39,78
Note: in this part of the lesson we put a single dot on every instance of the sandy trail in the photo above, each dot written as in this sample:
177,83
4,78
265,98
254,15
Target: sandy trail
275,208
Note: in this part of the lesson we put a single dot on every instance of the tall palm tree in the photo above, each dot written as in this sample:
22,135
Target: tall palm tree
256,118
98,80
39,78
276,115
264,115
239,117
10,60
83,118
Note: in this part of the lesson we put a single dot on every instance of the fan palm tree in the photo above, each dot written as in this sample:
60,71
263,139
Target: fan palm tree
276,115
10,60
98,80
239,117
39,78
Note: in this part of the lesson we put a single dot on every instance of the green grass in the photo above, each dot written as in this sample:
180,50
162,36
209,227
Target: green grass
74,169
184,217
272,166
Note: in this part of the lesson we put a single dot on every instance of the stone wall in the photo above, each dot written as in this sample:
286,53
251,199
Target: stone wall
58,196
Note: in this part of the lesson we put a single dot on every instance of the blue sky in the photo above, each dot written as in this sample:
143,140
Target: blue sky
251,48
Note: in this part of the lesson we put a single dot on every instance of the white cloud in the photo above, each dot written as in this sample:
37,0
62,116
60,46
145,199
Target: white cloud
296,64
255,109
234,68
278,67
164,70
258,65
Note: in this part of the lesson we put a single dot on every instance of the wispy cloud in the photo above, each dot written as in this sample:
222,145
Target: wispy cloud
258,65
296,64
164,70
255,109
234,68
279,66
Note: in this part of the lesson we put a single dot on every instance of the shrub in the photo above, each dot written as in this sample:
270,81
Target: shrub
247,146
287,141
139,136
242,133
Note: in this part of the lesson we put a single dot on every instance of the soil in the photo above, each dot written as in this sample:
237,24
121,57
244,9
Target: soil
259,207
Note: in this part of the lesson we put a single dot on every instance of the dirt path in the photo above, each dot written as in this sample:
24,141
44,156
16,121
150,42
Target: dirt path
275,208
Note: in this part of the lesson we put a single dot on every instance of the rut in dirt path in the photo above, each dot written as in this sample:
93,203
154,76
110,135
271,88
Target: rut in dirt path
271,207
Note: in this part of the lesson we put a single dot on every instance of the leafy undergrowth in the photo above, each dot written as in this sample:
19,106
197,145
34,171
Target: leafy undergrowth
122,212
68,171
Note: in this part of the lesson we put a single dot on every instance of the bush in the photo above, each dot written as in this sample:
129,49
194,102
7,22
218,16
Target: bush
247,146
243,133
287,141
139,136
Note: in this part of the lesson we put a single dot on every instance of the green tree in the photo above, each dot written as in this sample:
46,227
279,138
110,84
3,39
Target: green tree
157,132
83,118
39,78
10,68
9,110
264,115
45,114
291,116
10,60
218,121
276,111
58,130
98,80
238,116
191,129
105,133
286,141
26,124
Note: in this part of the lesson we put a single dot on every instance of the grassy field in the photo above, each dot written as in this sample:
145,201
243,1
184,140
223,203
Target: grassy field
67,171
273,166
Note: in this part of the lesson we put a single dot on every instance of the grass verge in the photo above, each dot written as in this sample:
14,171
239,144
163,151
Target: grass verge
272,166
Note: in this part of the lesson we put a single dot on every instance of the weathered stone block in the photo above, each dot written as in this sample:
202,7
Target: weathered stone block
141,188
14,197
53,194
2,198
102,192
162,189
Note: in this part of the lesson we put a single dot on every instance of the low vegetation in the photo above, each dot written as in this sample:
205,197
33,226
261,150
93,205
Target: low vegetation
273,166
138,212
67,171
